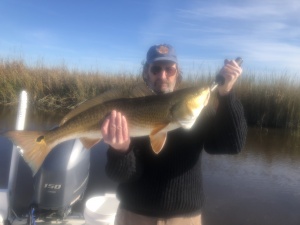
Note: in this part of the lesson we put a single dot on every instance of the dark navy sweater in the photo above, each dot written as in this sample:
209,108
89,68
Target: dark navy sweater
170,183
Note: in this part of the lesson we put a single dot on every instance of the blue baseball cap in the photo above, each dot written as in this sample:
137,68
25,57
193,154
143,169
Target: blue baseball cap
162,52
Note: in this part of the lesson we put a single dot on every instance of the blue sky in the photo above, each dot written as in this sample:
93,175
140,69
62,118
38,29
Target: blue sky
115,35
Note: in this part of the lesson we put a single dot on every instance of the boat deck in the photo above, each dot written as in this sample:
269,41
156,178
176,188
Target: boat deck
75,219
67,222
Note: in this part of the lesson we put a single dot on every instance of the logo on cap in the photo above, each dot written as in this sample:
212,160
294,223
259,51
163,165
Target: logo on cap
162,49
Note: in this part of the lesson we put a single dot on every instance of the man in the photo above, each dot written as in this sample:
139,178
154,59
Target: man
167,188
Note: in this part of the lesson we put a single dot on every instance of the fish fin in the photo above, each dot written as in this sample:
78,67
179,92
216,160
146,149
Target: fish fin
158,141
88,142
140,90
106,96
158,138
33,147
137,91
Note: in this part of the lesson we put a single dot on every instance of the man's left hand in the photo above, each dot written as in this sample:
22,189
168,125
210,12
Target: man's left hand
231,72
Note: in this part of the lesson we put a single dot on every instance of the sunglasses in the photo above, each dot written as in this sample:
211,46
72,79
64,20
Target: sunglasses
170,71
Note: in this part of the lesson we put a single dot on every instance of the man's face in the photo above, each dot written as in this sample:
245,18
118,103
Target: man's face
162,76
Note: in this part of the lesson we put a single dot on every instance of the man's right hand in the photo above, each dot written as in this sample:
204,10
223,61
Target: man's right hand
115,131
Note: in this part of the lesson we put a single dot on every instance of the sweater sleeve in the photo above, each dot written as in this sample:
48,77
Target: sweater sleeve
227,129
122,167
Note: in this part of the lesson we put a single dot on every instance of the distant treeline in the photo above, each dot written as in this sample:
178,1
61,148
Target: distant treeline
268,100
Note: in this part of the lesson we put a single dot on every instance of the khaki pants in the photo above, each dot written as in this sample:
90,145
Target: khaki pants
125,217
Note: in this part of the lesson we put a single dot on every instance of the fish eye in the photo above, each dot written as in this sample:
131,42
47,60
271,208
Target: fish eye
40,138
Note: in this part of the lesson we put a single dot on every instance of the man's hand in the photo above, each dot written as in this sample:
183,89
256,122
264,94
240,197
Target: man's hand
231,72
115,131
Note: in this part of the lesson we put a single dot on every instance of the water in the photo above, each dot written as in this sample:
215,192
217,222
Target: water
261,185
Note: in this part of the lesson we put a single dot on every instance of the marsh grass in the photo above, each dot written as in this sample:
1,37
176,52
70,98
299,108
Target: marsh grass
268,100
57,87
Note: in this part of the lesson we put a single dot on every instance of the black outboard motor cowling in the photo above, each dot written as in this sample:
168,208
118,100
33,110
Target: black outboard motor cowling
62,180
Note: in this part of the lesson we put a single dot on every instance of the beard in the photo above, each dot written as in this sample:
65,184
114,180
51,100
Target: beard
163,86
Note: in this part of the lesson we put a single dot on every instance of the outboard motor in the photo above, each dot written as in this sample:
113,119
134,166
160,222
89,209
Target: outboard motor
60,182
51,193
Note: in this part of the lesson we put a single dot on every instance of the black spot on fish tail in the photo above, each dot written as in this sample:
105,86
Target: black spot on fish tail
40,138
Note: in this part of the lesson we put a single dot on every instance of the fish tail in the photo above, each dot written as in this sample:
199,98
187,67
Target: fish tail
33,145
